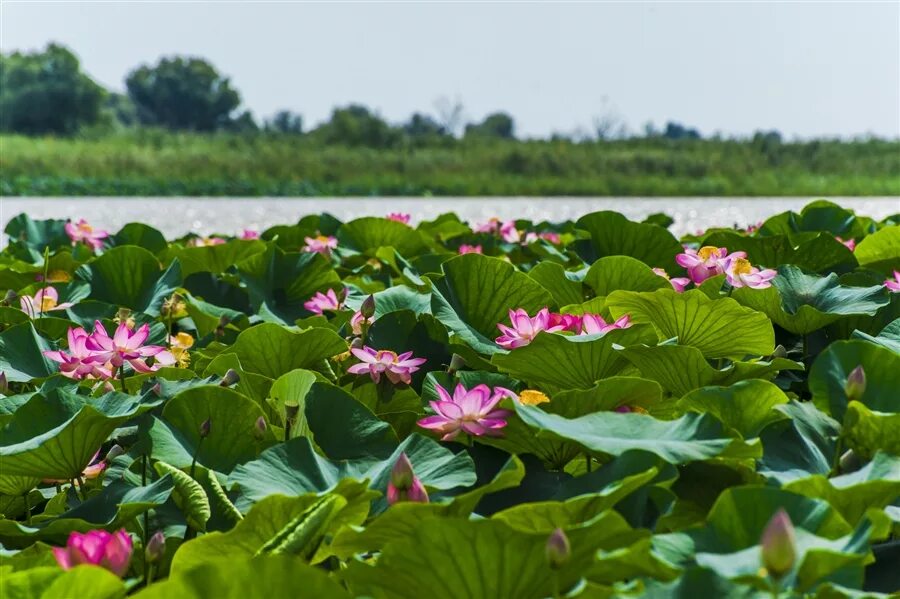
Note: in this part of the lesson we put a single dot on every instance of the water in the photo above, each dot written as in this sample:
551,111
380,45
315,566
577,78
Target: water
178,216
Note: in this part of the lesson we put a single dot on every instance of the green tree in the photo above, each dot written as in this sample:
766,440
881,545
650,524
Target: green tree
285,122
356,125
46,92
182,93
498,125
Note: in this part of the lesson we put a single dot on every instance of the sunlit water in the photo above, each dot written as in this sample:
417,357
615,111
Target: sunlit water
177,216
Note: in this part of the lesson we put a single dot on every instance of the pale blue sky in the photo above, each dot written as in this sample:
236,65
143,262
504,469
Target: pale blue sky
807,69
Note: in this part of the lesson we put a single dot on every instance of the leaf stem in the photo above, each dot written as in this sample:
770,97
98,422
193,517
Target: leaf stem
27,508
587,461
44,281
144,532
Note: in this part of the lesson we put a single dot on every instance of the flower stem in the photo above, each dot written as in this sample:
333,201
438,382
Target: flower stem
194,459
144,532
122,377
836,460
46,274
27,509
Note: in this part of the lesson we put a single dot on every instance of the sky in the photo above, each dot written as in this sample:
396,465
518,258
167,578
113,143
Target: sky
807,69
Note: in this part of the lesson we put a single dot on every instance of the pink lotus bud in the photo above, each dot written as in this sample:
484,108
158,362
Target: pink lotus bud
558,550
156,547
368,307
231,377
205,427
259,428
403,485
4,384
111,551
855,386
779,550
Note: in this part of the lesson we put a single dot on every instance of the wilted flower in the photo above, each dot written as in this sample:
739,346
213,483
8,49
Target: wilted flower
80,361
469,249
404,485
558,550
740,273
83,232
778,545
893,285
855,386
532,397
45,300
249,234
399,217
128,346
706,262
320,244
468,410
678,283
156,547
323,301
111,551
397,368
592,324
524,328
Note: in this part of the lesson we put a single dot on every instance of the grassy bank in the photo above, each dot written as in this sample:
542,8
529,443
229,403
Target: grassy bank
158,163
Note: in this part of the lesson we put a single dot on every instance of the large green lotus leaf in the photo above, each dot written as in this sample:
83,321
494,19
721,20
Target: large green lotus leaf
208,317
719,328
875,485
866,431
881,250
345,429
56,436
130,276
815,254
746,407
638,560
614,235
21,354
802,303
832,367
614,273
294,468
217,258
290,389
141,235
84,582
369,233
253,385
232,416
689,438
804,445
699,582
454,558
563,285
270,576
477,292
272,350
279,283
397,298
570,362
889,336
37,234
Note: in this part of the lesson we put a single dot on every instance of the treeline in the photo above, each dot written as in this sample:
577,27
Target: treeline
47,93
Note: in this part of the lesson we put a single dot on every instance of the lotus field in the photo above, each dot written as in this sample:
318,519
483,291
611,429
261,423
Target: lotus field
452,410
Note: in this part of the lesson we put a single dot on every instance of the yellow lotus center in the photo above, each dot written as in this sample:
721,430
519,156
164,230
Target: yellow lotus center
531,397
47,303
58,276
182,341
741,266
386,353
85,228
322,238
707,251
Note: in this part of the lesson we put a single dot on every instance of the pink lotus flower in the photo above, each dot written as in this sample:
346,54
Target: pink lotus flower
678,283
80,361
127,346
377,362
550,236
706,262
321,244
893,285
249,234
751,229
740,273
199,242
468,410
592,324
356,322
469,249
568,322
491,226
81,231
111,551
399,217
524,328
404,485
94,469
43,301
850,244
509,233
320,302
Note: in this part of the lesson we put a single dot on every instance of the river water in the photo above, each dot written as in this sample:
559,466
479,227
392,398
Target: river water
178,216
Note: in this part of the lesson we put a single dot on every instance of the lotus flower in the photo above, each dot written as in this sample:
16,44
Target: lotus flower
111,551
404,485
377,362
855,385
751,229
43,301
127,345
550,236
524,328
893,285
740,273
850,244
399,217
81,231
249,234
468,410
678,283
568,322
94,469
199,242
592,324
80,361
778,544
320,302
469,249
321,244
557,549
509,233
356,322
491,226
706,262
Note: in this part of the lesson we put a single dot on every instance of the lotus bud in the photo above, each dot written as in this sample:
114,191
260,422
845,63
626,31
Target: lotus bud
779,550
156,547
231,377
557,549
4,384
457,362
855,386
205,427
368,307
259,428
404,485
108,387
114,452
